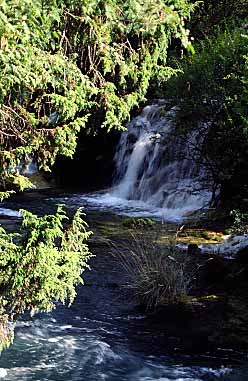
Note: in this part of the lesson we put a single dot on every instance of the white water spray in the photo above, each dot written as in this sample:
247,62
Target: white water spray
154,166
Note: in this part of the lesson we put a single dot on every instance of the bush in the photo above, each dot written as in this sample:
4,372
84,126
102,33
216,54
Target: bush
240,222
40,266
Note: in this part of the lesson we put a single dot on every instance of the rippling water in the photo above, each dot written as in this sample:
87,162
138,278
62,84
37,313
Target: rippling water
96,339
102,337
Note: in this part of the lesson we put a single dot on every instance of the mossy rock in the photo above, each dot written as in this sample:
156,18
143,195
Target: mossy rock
211,236
138,223
206,235
227,231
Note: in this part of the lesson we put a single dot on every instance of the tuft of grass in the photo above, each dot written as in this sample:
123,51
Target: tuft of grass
157,275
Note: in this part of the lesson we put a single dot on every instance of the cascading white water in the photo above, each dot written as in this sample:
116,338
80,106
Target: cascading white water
154,166
155,174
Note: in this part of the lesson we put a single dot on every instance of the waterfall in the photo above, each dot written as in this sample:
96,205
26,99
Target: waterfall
155,166
156,172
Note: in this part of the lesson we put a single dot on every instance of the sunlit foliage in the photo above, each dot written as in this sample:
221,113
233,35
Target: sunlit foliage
40,266
63,61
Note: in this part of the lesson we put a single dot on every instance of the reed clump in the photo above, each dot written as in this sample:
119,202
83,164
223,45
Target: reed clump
156,274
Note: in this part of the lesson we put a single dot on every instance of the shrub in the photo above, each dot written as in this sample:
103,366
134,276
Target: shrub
40,266
240,222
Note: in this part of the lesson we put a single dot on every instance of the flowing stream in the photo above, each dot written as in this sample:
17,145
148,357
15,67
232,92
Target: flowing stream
102,336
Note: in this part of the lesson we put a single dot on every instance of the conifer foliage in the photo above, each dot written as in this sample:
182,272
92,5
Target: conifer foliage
62,61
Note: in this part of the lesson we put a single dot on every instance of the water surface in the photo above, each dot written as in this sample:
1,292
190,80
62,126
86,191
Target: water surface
103,336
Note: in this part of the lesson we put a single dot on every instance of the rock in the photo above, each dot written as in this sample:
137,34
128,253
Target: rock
242,256
193,249
215,269
132,138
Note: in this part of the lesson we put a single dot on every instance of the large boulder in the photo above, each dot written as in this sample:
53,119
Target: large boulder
215,269
193,249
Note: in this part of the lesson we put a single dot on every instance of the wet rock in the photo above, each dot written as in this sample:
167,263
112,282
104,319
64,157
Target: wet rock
242,256
215,270
191,325
193,249
132,138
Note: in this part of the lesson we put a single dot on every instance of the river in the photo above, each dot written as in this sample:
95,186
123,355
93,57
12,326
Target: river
102,336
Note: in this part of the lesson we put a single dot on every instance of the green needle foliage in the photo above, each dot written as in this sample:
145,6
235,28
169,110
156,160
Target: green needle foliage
41,265
63,61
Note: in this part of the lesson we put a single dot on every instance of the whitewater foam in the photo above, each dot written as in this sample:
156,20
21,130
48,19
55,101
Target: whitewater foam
10,213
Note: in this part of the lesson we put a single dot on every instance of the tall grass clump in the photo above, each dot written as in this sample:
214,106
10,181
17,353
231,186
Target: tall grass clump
156,274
